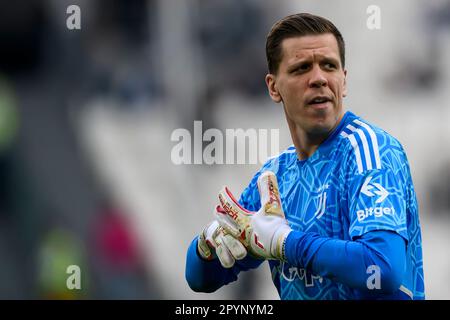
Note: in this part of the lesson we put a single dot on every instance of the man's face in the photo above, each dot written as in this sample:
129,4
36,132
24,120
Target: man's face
310,82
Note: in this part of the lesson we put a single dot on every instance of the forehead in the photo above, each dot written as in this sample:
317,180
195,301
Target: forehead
303,47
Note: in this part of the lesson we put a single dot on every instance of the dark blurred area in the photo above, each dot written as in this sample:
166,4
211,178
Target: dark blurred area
86,117
52,212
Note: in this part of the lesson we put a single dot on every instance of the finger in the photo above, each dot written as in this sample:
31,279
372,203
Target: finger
233,218
204,248
206,243
269,194
210,233
226,222
235,247
222,252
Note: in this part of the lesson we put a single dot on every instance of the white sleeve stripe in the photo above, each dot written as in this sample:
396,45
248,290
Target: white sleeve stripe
374,140
368,143
357,153
365,145
366,148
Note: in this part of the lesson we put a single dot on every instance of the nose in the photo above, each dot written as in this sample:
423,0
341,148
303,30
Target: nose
317,78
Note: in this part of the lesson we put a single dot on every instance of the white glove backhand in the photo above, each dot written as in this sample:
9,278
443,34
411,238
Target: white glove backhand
215,241
263,232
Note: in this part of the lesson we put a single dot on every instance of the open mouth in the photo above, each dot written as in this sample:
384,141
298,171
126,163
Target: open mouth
319,100
320,103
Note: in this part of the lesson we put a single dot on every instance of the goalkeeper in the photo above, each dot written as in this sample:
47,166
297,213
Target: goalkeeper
336,213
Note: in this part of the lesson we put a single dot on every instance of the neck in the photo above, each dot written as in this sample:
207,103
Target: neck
306,143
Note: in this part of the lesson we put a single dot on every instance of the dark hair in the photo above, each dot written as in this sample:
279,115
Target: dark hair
301,24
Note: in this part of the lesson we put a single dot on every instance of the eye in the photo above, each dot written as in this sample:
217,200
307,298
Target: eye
304,66
301,68
329,65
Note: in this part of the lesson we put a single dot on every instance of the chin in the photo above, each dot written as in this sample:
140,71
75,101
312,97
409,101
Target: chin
319,131
321,128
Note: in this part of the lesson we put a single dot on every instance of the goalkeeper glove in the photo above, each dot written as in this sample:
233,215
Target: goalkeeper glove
215,241
264,232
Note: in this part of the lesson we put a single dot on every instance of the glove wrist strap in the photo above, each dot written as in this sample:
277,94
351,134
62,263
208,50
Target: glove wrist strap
278,248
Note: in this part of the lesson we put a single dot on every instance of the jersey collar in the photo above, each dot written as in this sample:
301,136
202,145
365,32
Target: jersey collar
327,146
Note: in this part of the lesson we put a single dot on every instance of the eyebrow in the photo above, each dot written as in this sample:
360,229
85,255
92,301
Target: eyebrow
308,60
298,63
332,60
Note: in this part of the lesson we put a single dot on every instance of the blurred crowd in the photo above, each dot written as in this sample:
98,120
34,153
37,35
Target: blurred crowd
86,177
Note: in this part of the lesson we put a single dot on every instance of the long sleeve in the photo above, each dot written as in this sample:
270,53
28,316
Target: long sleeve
349,262
208,276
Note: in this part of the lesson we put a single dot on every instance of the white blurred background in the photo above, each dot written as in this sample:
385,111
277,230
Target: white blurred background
85,151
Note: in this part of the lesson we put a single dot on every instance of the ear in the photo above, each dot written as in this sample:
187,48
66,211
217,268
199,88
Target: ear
272,88
344,92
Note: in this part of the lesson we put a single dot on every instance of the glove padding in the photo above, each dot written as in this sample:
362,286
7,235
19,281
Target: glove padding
214,241
264,232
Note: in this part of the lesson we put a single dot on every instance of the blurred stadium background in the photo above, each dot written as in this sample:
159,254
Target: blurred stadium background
86,117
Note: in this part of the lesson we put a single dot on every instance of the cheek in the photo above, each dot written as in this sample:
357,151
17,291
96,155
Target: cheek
293,91
341,86
344,89
338,89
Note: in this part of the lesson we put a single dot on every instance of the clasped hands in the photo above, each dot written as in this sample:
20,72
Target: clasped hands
236,231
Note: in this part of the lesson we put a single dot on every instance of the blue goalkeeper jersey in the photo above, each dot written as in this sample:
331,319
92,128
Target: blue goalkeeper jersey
357,181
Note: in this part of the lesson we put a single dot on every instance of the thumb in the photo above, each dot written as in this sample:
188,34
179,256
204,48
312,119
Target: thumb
269,194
